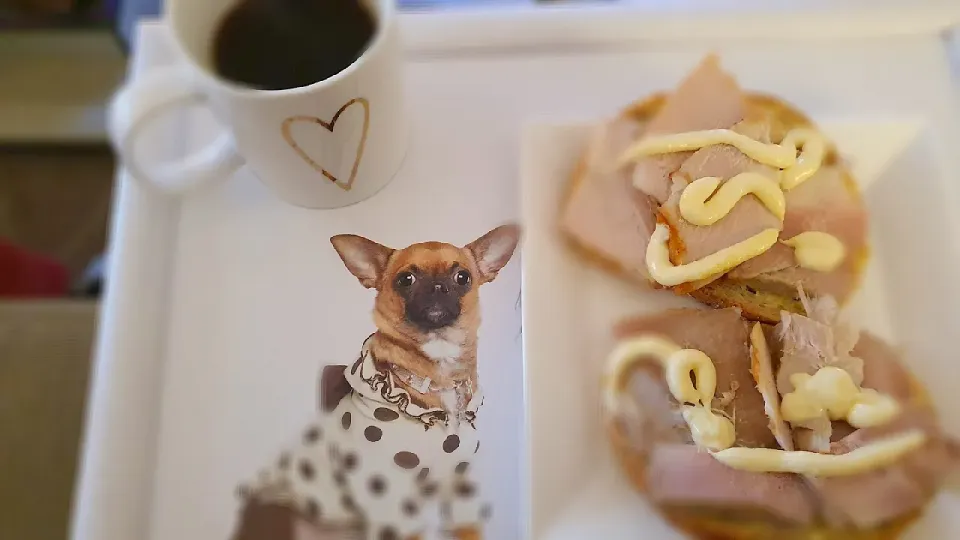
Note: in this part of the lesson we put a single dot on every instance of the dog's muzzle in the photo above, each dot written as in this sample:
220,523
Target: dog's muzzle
435,316
434,308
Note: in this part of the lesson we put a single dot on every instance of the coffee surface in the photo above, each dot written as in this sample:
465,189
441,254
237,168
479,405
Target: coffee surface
279,44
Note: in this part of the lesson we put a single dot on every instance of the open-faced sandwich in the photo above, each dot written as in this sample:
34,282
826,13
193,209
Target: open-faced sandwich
740,430
733,198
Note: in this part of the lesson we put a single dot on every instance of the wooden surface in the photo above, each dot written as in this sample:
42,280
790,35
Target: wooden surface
56,201
44,365
63,81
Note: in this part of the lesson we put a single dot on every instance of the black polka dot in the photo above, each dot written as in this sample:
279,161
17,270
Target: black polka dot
345,420
407,460
451,443
428,489
312,435
389,533
410,508
378,485
312,508
340,478
477,449
422,475
306,470
385,415
347,502
465,489
284,461
350,461
485,512
462,467
373,433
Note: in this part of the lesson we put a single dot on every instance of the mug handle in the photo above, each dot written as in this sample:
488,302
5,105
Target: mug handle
145,99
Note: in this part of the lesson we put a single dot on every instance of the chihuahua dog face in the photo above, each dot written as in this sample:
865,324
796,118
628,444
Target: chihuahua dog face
428,288
432,282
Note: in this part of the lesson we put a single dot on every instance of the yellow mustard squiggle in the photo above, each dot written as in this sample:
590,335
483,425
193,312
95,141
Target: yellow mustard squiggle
796,168
666,273
708,429
701,203
864,459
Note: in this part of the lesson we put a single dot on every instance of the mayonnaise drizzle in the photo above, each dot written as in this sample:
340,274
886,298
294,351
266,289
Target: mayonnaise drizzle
817,250
666,273
698,210
814,148
872,456
811,145
708,429
779,156
831,393
717,433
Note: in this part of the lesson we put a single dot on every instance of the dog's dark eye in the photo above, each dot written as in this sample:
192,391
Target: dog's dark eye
406,279
462,277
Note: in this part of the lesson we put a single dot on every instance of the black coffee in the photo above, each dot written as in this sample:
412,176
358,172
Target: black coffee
278,44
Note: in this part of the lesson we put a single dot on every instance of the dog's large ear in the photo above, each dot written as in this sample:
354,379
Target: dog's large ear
493,250
365,259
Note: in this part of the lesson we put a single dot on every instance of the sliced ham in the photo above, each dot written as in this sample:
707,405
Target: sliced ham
867,500
825,202
648,414
778,257
840,429
870,499
723,336
747,218
681,474
725,161
604,212
708,98
882,369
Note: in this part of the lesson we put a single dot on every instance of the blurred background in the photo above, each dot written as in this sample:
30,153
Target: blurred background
60,60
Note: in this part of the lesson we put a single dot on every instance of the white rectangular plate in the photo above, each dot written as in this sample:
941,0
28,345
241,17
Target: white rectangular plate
569,308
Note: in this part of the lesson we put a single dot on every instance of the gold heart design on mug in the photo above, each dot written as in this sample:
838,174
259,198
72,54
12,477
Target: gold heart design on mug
329,126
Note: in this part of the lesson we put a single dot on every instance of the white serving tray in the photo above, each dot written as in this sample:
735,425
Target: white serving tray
214,321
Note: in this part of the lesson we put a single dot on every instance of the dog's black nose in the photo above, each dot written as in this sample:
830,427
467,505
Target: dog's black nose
441,288
434,314
434,317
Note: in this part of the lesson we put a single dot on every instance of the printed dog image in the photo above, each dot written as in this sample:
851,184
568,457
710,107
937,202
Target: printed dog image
391,454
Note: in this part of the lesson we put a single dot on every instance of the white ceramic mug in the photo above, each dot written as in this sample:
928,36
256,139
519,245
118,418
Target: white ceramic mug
330,144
